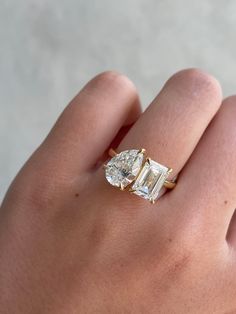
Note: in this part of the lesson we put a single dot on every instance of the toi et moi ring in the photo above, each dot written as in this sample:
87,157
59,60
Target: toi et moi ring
132,170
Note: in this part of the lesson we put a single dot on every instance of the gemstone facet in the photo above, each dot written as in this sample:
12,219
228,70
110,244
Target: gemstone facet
150,180
123,168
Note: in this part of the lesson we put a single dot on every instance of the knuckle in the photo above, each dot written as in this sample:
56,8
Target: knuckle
226,117
113,80
196,84
230,102
108,75
198,77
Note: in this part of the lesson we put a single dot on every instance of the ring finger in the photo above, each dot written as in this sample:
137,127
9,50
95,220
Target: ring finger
174,122
172,125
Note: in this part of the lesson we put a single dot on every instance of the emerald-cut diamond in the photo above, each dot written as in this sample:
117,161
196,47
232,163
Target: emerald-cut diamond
123,168
150,180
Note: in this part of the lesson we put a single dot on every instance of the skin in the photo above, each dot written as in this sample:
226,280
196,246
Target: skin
72,243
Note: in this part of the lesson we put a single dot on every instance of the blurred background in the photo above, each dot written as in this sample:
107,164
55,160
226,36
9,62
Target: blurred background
49,49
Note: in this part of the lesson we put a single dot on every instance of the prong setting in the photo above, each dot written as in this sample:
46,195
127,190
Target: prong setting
150,180
122,187
123,168
143,151
132,170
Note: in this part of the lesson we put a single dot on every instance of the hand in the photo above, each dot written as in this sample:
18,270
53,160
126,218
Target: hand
72,243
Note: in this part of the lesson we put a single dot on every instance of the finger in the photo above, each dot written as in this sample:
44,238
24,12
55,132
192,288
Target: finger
173,124
115,142
92,120
88,124
210,176
82,133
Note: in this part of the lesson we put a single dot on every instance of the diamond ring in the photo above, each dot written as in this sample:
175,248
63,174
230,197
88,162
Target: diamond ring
139,174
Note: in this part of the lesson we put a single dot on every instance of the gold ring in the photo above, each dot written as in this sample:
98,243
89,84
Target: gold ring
132,170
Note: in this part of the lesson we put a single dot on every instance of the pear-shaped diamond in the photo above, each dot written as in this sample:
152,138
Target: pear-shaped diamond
123,168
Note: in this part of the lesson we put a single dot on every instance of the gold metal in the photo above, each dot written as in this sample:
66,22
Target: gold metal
167,184
112,152
122,187
142,150
131,190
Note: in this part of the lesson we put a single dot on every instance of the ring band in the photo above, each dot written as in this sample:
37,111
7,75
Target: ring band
133,170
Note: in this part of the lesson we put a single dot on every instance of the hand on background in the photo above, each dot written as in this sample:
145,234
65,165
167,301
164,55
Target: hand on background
72,243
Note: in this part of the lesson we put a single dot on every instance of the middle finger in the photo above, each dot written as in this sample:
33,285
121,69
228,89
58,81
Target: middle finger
172,125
